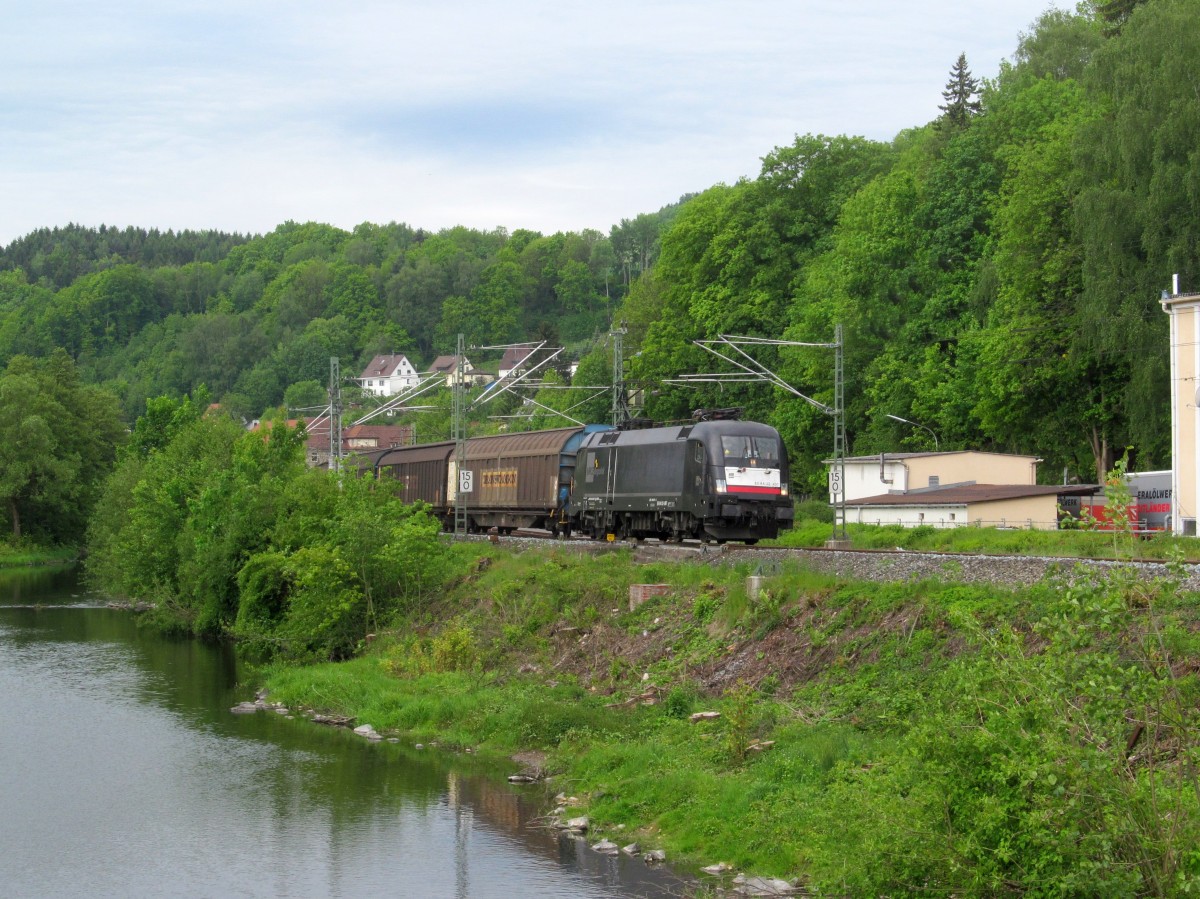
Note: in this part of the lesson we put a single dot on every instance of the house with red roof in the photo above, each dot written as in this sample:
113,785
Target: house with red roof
356,439
514,360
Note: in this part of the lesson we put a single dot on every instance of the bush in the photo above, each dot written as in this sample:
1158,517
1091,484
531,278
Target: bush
327,613
455,649
705,606
680,702
263,590
1048,772
814,510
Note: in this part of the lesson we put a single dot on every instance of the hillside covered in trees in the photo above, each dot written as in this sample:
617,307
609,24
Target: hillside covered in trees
149,314
997,273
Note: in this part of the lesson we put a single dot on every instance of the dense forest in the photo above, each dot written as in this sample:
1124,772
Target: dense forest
996,272
149,314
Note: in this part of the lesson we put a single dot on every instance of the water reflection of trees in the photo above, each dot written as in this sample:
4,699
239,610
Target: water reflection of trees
340,797
45,584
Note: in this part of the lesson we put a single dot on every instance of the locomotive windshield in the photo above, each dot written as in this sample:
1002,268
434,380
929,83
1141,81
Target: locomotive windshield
760,450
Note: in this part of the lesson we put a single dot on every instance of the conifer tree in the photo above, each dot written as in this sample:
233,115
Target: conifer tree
961,96
1114,13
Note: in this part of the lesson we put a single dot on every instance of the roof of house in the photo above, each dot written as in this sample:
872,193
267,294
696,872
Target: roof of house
266,424
447,364
383,366
514,356
962,494
894,457
384,435
1183,298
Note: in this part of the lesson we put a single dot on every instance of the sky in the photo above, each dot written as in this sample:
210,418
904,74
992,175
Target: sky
559,116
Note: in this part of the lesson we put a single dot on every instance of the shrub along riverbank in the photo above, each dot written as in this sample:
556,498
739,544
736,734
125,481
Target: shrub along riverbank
927,737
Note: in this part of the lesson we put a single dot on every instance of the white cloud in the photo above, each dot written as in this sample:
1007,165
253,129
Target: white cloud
530,114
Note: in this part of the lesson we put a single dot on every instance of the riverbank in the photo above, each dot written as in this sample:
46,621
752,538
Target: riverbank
27,556
853,737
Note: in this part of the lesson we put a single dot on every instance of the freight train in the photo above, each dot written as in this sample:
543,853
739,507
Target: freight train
709,480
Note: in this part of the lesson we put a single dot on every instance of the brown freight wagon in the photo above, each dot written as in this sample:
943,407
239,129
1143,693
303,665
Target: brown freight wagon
420,471
516,478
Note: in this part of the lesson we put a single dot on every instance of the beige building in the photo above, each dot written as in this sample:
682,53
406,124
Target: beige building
1033,506
902,472
951,489
1184,312
448,366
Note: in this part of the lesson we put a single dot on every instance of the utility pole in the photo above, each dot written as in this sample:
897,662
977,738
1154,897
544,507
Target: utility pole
620,401
335,415
460,441
839,437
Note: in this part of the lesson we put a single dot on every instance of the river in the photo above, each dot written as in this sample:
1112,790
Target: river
124,773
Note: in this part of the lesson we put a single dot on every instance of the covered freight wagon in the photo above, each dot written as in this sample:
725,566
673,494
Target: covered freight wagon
420,472
517,480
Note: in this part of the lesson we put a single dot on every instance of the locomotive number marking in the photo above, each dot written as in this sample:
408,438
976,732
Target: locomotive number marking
753,480
498,479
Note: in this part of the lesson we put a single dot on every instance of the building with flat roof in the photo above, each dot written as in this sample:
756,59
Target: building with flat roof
954,488
900,472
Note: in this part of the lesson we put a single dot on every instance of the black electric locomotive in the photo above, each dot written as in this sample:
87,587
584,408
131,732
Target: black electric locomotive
713,480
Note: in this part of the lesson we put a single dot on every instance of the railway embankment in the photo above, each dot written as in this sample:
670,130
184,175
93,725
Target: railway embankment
901,565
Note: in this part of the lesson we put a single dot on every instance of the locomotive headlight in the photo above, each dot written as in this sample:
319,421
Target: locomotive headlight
783,489
719,485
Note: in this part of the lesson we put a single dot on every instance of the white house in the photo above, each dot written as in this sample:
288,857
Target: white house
389,375
514,360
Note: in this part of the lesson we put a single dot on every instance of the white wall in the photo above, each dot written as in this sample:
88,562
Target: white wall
866,479
909,516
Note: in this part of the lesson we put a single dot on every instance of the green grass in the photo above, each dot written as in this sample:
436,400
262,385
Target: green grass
997,541
23,555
